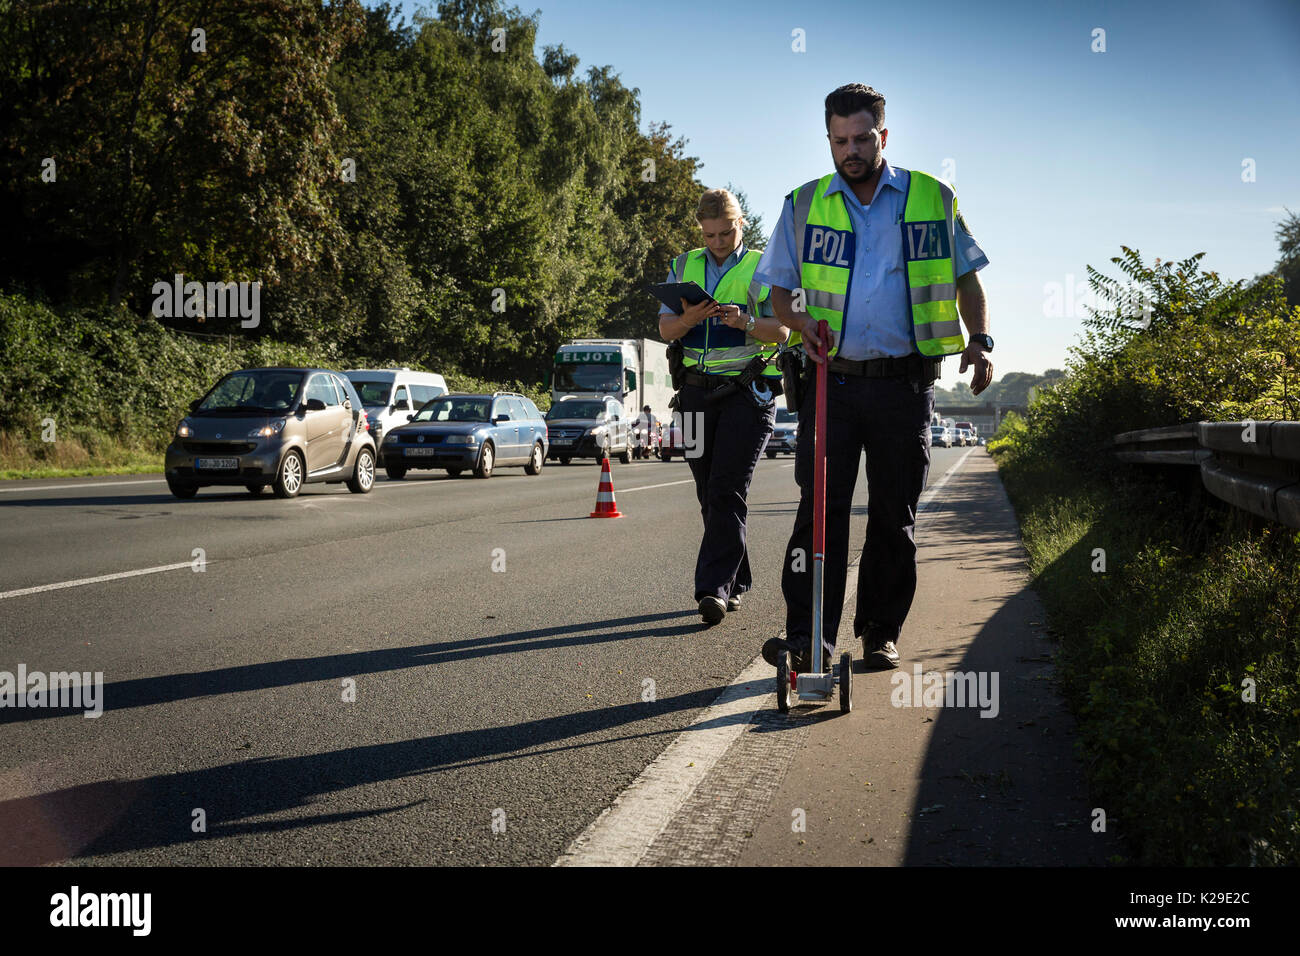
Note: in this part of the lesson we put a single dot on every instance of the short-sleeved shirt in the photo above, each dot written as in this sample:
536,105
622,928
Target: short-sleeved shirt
713,274
878,313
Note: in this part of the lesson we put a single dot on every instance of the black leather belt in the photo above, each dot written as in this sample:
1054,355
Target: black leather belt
923,366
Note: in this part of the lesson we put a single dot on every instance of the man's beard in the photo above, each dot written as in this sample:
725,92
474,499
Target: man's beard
868,170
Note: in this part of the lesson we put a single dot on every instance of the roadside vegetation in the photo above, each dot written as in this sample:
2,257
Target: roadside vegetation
1181,659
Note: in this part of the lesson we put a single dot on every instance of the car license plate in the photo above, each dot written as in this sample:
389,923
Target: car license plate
416,452
216,464
560,443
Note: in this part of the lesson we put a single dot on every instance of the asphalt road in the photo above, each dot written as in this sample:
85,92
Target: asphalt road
496,712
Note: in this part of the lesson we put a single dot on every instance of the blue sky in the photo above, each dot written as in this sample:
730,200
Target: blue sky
1059,154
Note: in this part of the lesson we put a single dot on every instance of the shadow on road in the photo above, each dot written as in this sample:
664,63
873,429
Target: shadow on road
147,691
119,816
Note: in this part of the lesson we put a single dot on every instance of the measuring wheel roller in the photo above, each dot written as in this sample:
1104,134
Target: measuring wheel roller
783,682
846,682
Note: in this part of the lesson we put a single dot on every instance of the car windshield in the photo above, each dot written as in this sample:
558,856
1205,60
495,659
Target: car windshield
372,393
572,409
785,415
455,409
253,391
587,378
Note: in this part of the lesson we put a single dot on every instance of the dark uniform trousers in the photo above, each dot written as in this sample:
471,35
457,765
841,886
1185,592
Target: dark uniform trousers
889,418
729,436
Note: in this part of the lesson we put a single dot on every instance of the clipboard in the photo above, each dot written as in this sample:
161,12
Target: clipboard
672,293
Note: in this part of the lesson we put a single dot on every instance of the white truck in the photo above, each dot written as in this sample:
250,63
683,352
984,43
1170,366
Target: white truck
634,372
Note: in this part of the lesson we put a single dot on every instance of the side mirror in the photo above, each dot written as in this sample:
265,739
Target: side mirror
314,405
501,418
194,406
410,418
631,380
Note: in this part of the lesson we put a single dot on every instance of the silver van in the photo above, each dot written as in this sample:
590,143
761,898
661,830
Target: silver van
389,395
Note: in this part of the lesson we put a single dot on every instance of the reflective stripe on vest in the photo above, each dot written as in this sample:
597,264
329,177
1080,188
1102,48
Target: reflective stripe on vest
719,349
824,232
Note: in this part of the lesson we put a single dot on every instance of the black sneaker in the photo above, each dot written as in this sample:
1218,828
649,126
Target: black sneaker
733,603
712,609
881,657
798,656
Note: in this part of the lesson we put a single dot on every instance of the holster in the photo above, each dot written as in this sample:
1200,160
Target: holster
676,363
791,363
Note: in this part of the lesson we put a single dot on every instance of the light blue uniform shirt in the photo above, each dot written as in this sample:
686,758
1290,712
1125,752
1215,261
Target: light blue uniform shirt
878,314
713,274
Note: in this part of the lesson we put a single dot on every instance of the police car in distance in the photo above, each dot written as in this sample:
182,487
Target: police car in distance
784,433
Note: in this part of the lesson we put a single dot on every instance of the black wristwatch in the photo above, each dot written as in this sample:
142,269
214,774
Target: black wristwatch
984,340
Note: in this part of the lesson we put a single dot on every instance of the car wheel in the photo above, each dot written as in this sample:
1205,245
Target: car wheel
454,472
288,480
771,454
625,457
534,466
255,489
182,489
363,478
565,459
395,472
486,458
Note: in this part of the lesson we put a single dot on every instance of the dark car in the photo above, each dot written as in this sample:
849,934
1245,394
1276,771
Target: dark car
589,428
283,427
460,432
785,433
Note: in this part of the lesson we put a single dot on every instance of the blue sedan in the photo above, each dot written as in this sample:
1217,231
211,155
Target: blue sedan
468,432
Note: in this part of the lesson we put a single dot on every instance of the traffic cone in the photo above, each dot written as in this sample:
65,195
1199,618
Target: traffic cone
605,506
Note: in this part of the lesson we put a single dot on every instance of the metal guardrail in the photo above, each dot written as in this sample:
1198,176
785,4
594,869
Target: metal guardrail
1254,466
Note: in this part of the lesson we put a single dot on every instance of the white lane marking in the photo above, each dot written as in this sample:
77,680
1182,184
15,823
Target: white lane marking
95,580
624,832
928,498
89,484
665,484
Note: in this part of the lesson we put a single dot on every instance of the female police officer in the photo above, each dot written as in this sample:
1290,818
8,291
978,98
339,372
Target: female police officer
727,397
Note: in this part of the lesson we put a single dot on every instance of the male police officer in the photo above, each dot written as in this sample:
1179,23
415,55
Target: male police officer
884,256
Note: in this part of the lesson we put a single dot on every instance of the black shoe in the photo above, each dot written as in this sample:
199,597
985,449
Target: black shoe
712,609
798,655
733,603
773,647
881,657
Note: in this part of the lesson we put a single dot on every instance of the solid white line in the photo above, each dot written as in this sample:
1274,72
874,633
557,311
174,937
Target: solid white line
928,498
624,832
95,580
89,484
666,484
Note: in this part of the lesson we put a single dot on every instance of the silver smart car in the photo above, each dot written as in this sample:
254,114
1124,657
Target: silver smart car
281,427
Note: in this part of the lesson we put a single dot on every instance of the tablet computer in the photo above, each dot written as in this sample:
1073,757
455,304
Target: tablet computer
672,293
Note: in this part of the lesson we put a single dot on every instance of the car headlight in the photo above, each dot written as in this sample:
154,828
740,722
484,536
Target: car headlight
460,439
597,431
269,430
391,436
183,430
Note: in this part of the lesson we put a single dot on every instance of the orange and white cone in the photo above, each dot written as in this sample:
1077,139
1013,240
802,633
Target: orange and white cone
605,506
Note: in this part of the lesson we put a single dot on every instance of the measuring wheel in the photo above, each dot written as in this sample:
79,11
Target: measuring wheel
783,682
846,682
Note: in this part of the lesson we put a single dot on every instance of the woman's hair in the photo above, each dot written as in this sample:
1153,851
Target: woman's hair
717,204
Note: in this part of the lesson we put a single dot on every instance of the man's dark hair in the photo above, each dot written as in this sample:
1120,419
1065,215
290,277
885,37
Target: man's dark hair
854,98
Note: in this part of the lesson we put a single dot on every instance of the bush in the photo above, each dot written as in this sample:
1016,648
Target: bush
1198,603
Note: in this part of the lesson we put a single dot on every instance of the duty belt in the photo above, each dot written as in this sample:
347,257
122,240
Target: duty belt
708,381
923,366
